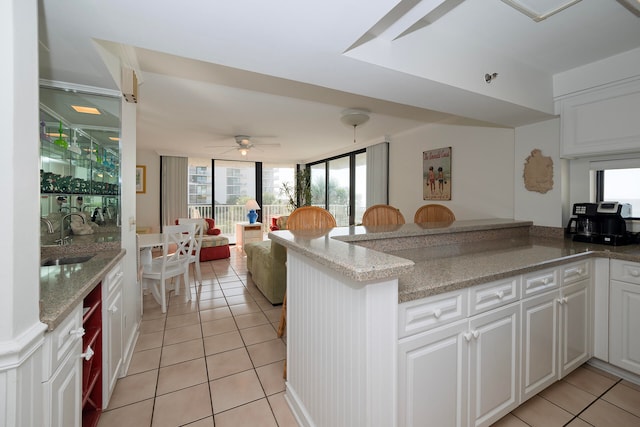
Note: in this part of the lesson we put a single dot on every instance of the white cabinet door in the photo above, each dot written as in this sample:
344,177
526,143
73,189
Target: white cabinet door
575,326
624,315
433,377
63,392
112,353
539,343
494,368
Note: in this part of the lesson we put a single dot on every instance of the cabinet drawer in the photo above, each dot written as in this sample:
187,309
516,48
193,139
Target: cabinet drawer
421,315
113,279
495,294
575,272
539,281
625,271
61,341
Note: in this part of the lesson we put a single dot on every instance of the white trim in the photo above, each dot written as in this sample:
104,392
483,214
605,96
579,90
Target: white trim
14,352
80,88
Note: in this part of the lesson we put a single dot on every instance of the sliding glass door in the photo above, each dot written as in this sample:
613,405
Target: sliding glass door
339,185
234,183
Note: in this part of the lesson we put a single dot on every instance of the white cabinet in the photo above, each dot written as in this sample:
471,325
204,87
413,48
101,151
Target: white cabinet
468,357
601,121
556,328
624,316
112,330
433,377
575,326
494,364
62,373
457,372
247,233
539,343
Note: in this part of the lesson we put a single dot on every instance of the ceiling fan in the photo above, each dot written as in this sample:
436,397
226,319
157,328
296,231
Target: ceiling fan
244,143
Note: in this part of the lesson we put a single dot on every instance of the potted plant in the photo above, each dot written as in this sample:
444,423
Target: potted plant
299,193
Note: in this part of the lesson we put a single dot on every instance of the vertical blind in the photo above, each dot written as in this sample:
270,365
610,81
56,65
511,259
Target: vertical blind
378,174
174,172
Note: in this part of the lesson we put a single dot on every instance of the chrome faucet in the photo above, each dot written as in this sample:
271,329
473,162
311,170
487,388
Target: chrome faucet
49,224
65,239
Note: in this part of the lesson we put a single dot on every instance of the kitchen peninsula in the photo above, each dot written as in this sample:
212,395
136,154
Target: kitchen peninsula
364,305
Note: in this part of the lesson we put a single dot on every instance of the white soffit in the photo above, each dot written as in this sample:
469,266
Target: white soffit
539,10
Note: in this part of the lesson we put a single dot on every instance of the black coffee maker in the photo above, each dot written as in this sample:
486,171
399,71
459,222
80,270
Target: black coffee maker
602,223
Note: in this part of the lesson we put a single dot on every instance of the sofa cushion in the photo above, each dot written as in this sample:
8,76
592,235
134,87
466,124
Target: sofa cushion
209,241
210,227
266,261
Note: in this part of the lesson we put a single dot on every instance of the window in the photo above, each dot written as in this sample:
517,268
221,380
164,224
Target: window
620,185
339,185
220,188
274,202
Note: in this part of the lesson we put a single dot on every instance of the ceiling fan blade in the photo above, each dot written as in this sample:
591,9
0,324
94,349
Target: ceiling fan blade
257,144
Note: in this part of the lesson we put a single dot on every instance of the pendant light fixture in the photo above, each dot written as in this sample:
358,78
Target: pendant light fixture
354,117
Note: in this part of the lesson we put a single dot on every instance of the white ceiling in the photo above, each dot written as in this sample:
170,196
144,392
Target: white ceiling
284,71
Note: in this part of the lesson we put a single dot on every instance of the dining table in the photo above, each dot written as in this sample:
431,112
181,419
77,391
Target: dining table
146,243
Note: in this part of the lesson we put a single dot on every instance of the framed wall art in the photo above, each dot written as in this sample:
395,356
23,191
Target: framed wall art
436,174
141,179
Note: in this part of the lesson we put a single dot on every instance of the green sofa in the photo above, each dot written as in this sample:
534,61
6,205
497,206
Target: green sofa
266,261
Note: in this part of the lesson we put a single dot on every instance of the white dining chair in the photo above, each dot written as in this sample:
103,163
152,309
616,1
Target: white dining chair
176,252
195,252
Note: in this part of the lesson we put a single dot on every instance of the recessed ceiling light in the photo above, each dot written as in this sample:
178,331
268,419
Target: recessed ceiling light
114,138
85,110
56,135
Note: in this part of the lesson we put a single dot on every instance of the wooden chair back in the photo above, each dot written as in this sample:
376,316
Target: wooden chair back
310,218
434,213
382,215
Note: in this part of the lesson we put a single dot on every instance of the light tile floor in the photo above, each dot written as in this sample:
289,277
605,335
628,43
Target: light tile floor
586,397
218,361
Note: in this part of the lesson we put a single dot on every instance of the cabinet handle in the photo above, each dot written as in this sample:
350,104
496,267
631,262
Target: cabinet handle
500,294
78,333
88,354
437,313
575,272
634,273
475,333
565,300
467,336
113,310
546,281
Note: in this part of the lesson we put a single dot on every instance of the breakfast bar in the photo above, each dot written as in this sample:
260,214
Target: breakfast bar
354,292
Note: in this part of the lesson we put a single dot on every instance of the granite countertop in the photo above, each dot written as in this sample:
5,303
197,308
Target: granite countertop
426,271
446,268
63,287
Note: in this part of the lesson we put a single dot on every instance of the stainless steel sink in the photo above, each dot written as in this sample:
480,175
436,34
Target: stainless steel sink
66,260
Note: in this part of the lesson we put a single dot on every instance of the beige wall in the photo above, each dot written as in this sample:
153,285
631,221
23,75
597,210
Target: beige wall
481,168
487,166
543,209
148,204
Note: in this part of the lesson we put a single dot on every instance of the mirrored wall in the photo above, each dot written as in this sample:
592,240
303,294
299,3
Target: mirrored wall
79,155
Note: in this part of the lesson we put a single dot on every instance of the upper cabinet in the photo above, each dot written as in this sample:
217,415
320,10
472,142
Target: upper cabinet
79,152
604,120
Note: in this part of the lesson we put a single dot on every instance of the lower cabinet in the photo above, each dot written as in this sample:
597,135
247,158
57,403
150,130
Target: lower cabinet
473,371
464,373
624,339
62,373
555,336
112,326
575,326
